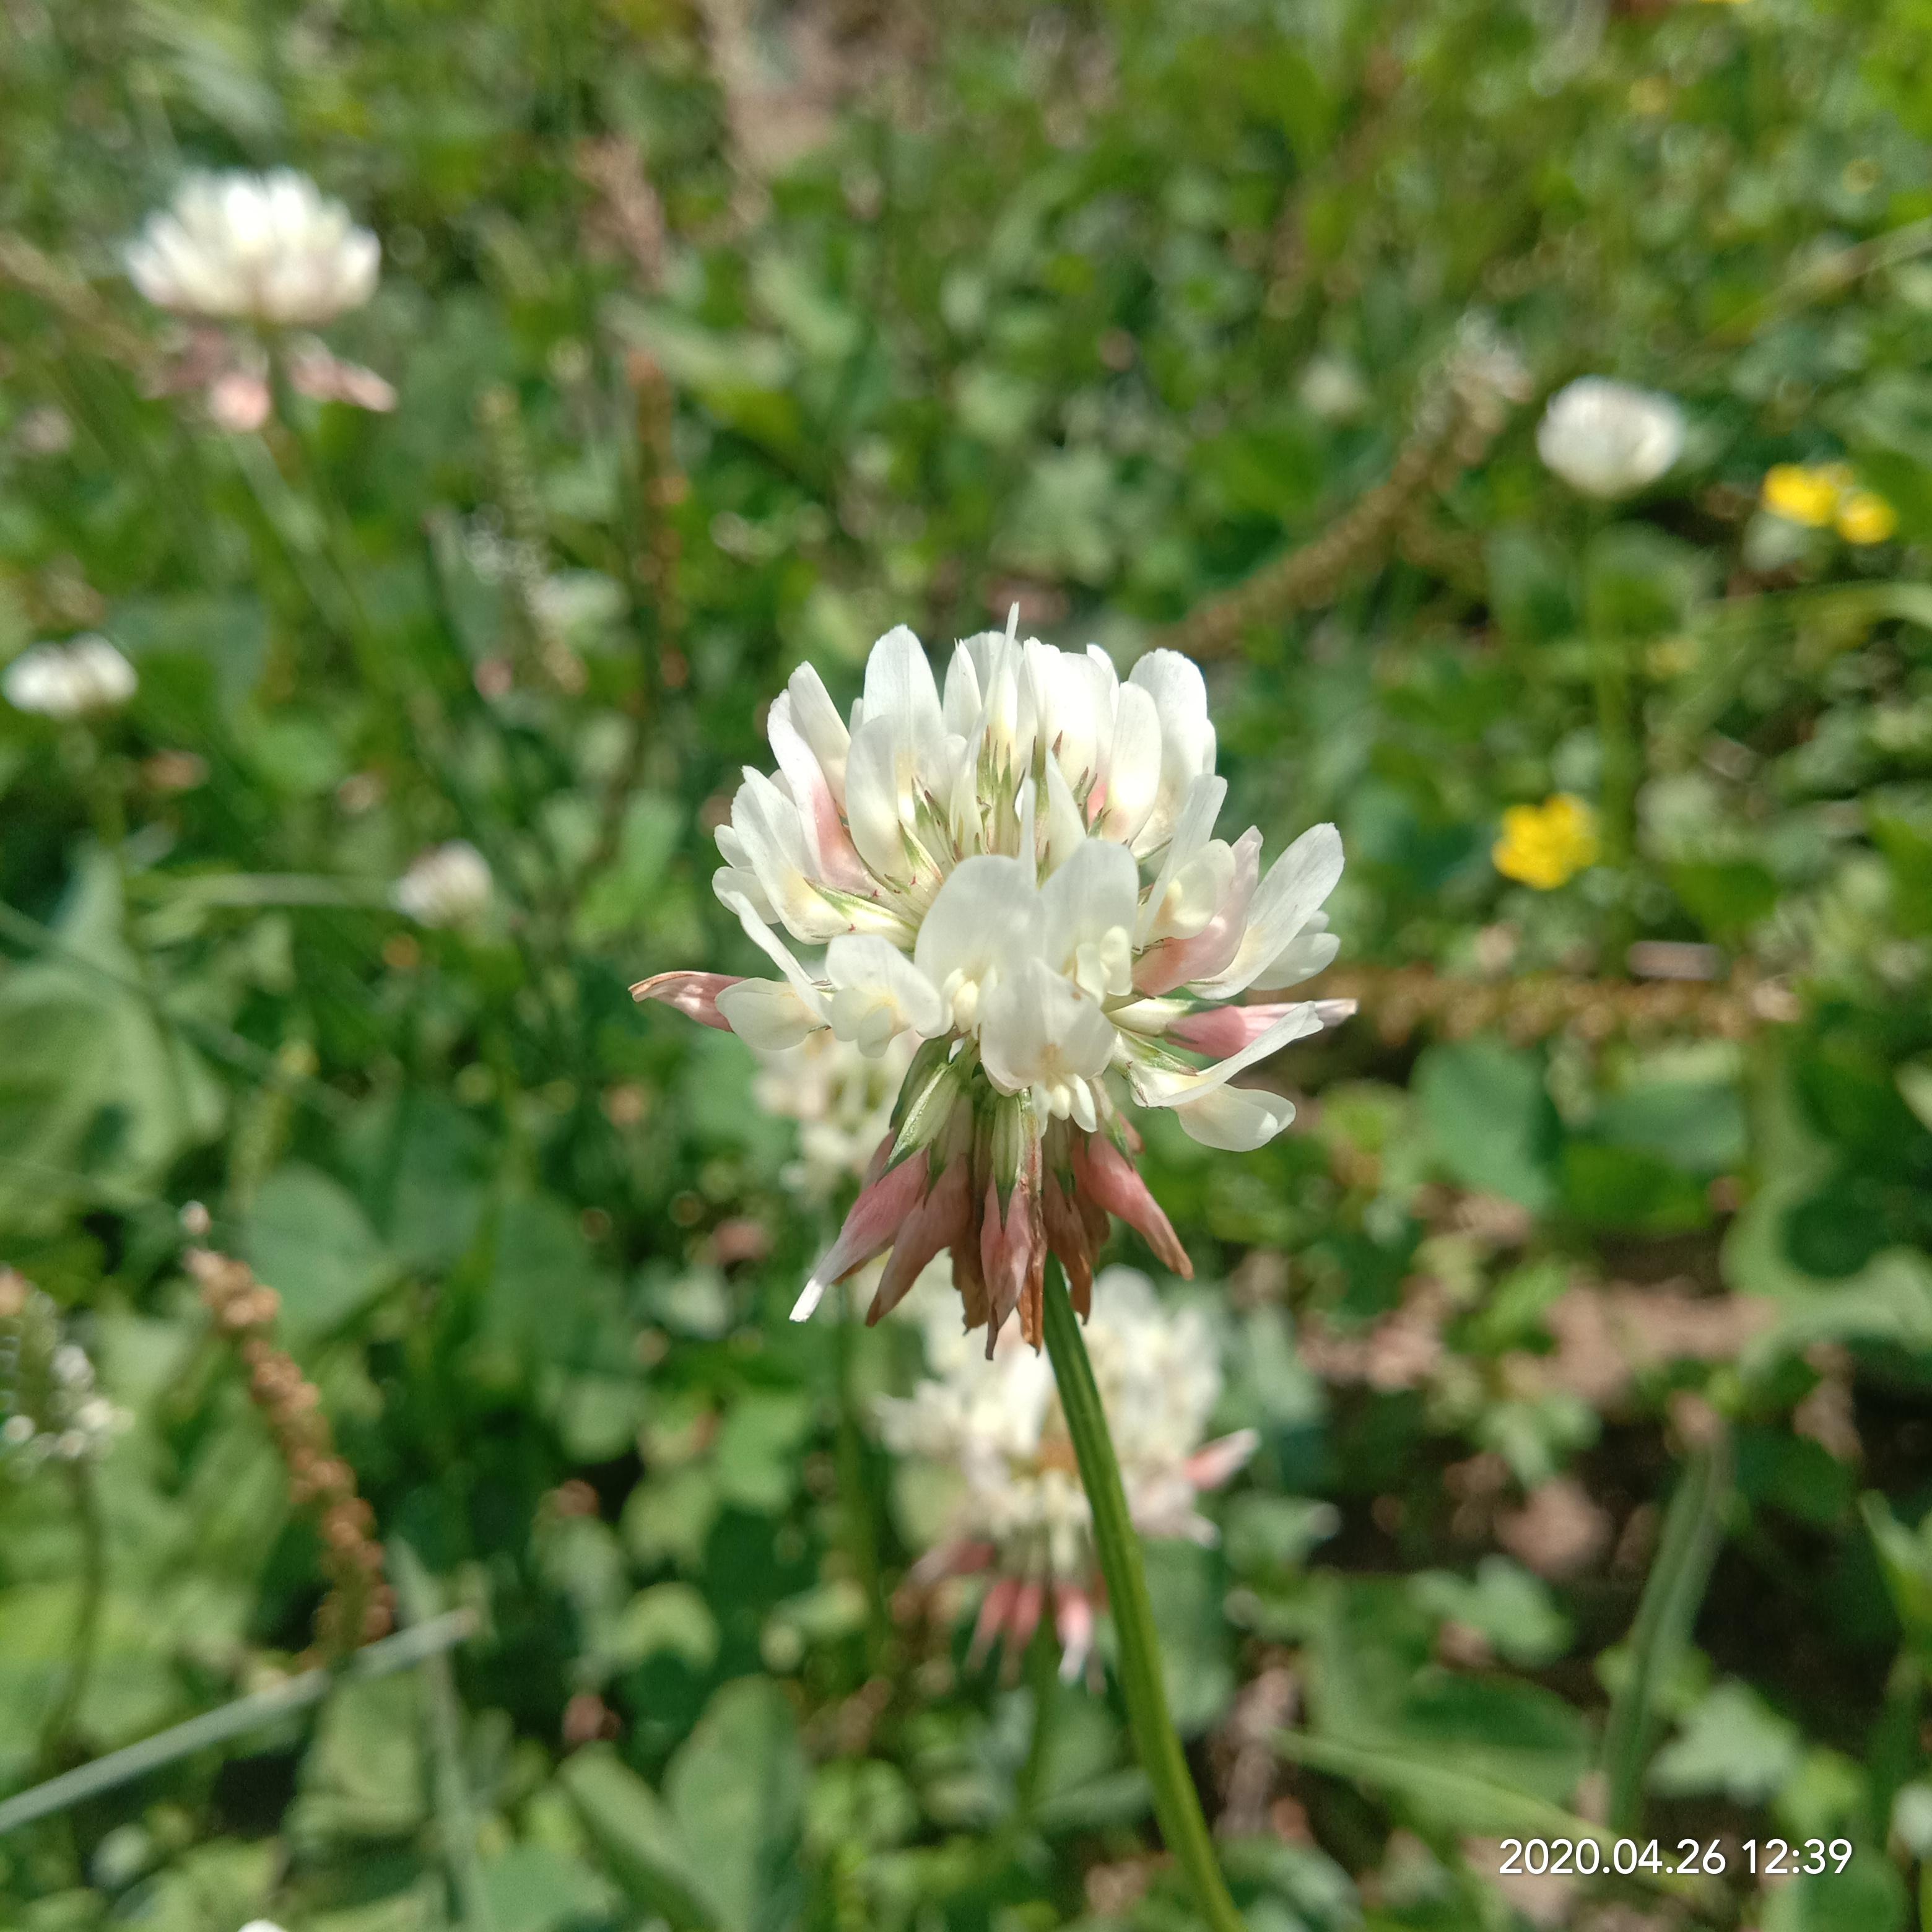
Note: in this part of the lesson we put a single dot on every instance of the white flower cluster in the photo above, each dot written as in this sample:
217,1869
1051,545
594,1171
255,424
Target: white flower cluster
79,679
1609,439
1021,1513
842,1101
1023,875
267,248
449,885
50,1410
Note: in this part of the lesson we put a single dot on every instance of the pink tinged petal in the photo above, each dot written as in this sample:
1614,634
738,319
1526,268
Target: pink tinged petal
239,401
817,721
940,1220
871,1227
1284,903
1221,1031
1006,1258
951,1559
1066,1235
1023,1619
1213,1464
770,833
694,994
833,858
1174,962
1158,1086
1106,1176
993,1612
1073,1622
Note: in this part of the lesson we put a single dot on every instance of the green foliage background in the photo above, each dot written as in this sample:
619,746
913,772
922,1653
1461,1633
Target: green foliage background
1101,307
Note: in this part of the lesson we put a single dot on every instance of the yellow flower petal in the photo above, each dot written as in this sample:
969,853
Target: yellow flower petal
1803,494
1865,518
1545,846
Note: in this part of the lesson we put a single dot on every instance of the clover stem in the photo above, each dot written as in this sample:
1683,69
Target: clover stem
1177,1804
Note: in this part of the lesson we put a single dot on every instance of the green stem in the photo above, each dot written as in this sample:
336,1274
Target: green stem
1616,738
60,1720
1693,1528
1176,1803
455,1815
1043,1683
856,1491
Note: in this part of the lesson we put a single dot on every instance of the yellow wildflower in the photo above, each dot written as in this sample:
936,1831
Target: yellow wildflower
1545,845
1805,492
1865,518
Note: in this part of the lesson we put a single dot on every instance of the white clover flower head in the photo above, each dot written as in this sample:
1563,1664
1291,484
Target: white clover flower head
1609,439
1020,1514
841,1098
80,679
449,885
269,248
1022,876
50,1409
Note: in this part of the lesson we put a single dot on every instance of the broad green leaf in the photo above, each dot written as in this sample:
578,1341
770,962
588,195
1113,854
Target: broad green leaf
307,1237
1489,1119
736,1789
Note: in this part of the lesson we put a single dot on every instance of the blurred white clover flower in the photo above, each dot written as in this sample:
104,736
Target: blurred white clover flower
1019,1515
238,247
1024,877
79,679
449,885
841,1098
50,1409
1608,439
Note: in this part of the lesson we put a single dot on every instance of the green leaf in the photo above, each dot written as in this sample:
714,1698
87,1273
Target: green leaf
736,1789
758,1449
1490,1121
1731,1745
1867,1896
672,1617
307,1238
536,1889
638,1838
1503,1602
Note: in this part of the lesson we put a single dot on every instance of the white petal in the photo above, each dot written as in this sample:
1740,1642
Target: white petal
1235,1119
1089,907
878,797
1306,955
1038,1028
1066,832
767,1014
767,941
986,920
899,688
878,993
1187,736
1192,831
1132,772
